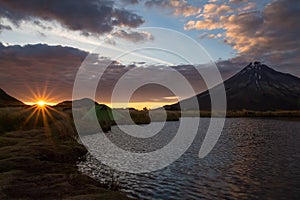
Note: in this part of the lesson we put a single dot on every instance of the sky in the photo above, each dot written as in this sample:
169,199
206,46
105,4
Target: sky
43,43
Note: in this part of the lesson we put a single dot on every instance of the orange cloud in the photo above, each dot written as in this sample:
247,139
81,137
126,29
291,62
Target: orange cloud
215,10
271,35
237,1
187,11
179,7
206,24
248,6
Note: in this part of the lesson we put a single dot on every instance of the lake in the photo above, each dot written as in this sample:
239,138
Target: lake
253,159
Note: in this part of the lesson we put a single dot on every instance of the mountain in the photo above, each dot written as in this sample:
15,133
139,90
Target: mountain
85,102
257,87
7,100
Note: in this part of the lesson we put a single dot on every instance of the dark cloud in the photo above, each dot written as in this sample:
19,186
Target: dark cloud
38,66
230,67
34,67
270,35
40,24
130,1
91,16
5,27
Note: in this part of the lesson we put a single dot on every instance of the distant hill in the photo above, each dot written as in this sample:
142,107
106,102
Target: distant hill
257,87
7,100
86,108
77,103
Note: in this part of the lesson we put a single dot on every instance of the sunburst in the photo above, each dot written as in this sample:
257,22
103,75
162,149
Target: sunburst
41,109
41,103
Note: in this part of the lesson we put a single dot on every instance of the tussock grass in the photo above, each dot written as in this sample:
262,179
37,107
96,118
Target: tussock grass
241,113
146,117
278,113
38,159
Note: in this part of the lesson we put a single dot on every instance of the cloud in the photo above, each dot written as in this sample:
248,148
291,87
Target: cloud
203,35
5,27
133,36
36,66
206,24
187,11
40,24
270,35
178,7
215,10
237,1
128,2
219,35
110,41
247,7
91,16
210,17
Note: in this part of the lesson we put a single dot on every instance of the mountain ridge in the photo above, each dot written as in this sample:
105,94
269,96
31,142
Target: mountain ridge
7,100
256,87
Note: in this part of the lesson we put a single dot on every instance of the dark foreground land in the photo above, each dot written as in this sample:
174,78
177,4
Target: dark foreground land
38,158
39,151
245,113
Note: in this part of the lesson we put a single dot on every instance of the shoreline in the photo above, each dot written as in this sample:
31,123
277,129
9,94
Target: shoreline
40,162
241,113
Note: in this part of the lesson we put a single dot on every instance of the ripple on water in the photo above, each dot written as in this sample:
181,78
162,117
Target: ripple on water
253,159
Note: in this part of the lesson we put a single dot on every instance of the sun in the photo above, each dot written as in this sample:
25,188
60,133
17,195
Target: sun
41,103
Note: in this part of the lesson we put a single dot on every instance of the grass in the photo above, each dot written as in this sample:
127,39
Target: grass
145,117
141,117
278,113
38,159
244,113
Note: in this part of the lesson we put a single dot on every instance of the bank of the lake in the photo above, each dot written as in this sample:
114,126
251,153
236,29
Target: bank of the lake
39,161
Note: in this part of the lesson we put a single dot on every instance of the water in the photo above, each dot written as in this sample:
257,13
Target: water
253,159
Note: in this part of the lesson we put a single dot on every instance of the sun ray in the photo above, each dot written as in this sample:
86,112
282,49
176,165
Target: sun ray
45,122
38,94
37,116
41,114
30,116
56,111
48,113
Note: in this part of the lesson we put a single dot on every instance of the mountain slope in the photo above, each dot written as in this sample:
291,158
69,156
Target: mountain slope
256,87
85,102
7,100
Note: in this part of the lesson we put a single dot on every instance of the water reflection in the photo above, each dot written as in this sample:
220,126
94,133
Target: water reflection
254,159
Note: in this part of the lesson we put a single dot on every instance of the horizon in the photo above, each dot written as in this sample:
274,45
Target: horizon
122,105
